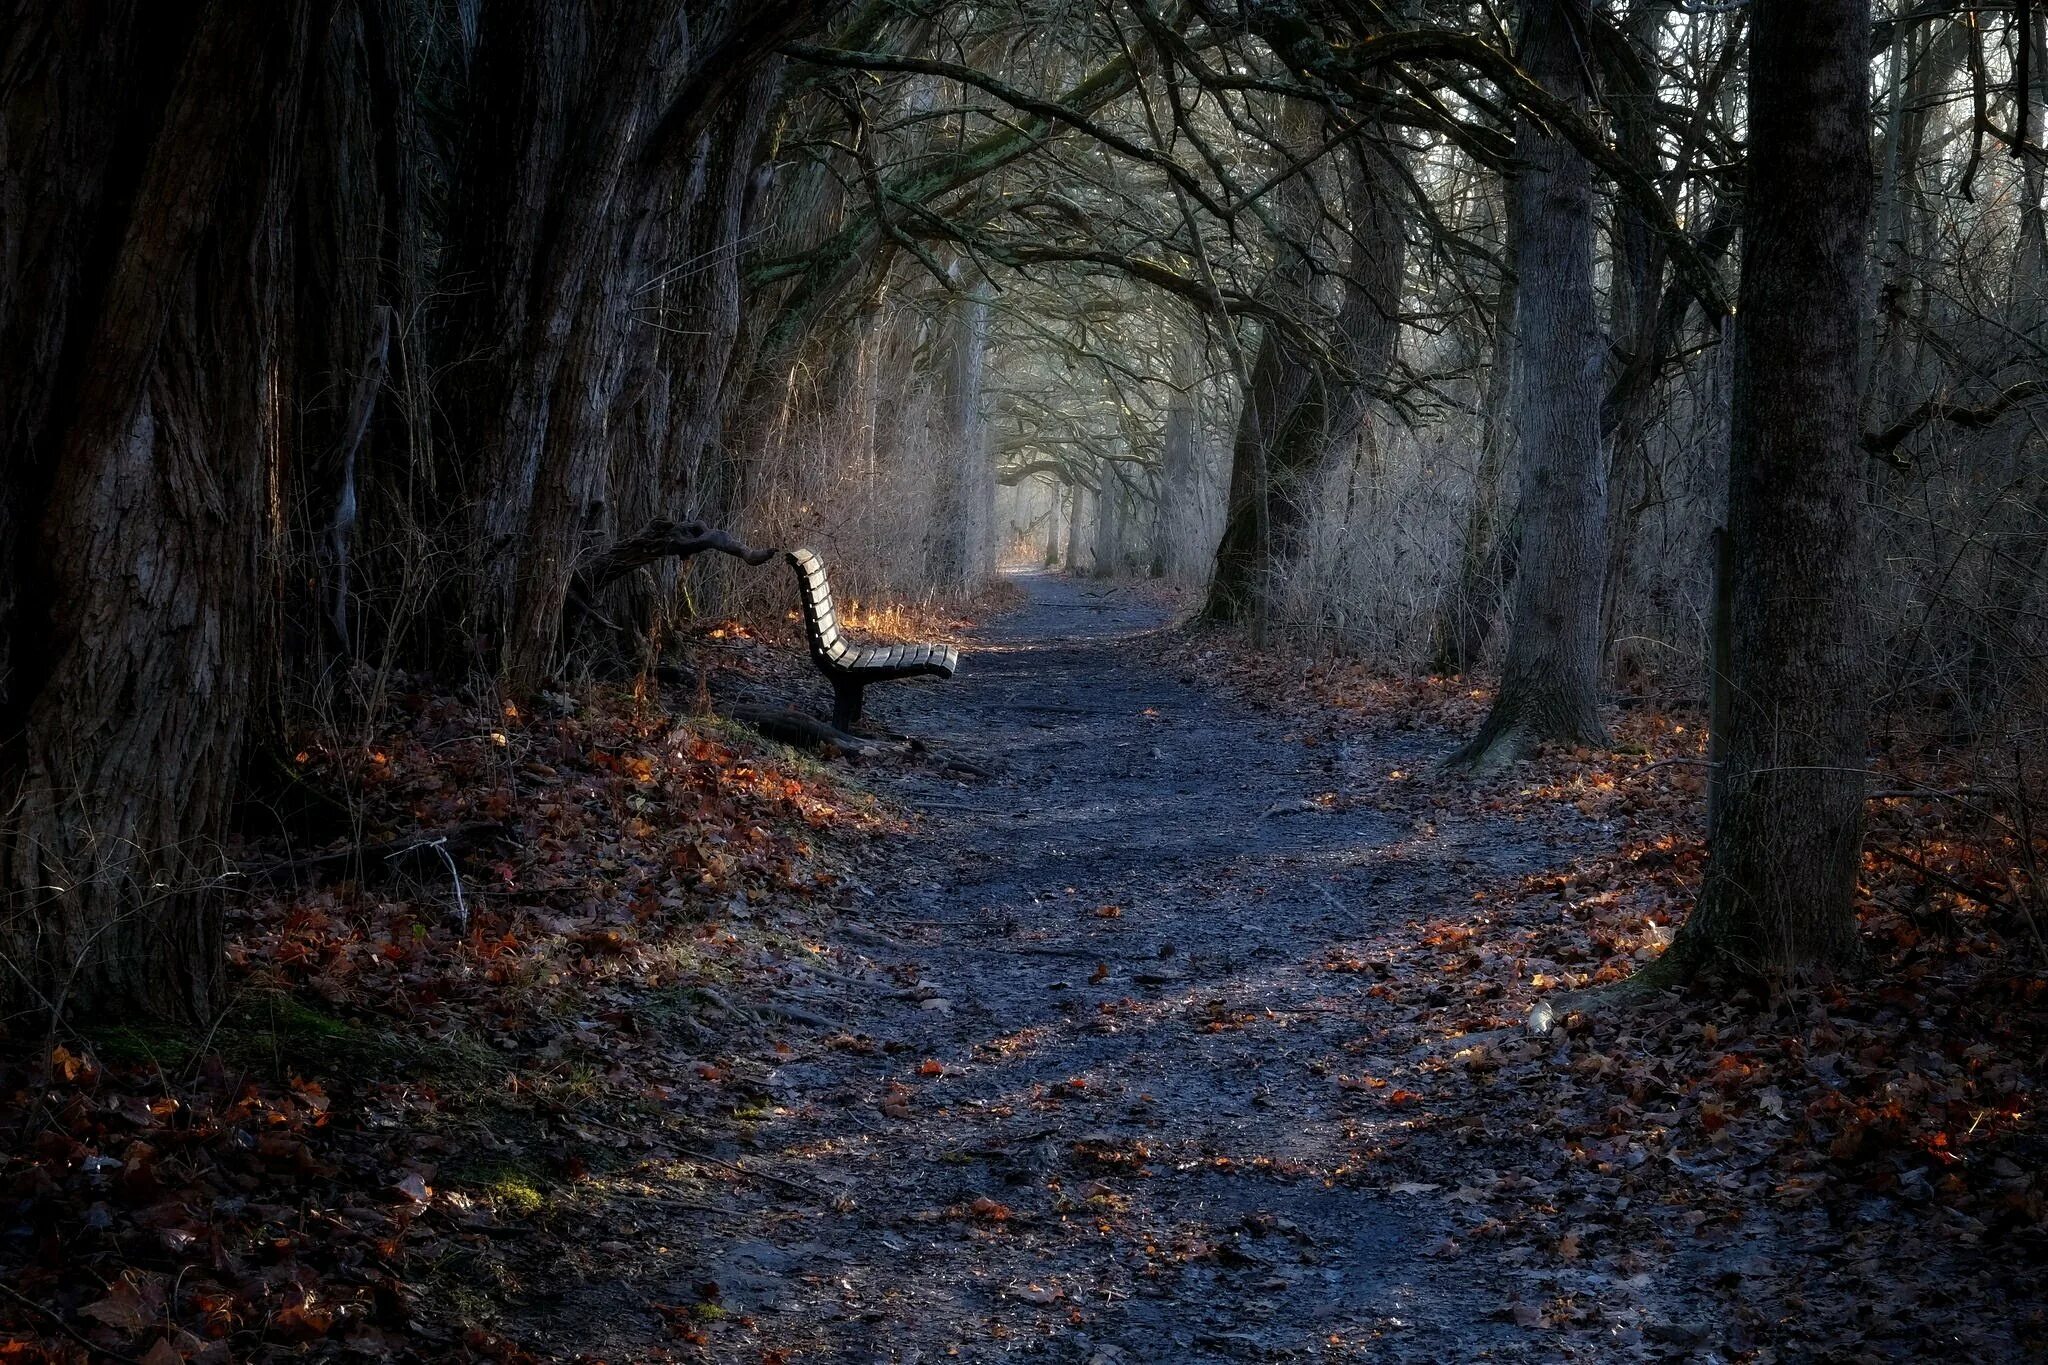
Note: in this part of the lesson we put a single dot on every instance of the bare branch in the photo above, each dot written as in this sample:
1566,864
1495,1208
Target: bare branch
1883,443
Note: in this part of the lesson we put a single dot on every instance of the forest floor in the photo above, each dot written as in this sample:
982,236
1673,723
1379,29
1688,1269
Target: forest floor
1152,1046
1160,1003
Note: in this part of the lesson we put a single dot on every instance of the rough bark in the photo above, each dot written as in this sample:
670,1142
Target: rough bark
590,173
693,310
1786,834
138,501
1549,687
540,452
237,434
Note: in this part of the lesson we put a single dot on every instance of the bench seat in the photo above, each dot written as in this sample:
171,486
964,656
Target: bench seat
849,667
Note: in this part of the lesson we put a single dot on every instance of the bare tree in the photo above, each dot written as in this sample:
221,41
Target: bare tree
1549,688
1786,834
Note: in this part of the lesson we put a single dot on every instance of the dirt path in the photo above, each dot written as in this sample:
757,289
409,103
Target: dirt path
1094,1112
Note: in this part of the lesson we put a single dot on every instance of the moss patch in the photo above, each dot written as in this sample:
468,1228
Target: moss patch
278,1034
515,1188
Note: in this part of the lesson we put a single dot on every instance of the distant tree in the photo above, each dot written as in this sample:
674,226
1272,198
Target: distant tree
1549,688
1299,414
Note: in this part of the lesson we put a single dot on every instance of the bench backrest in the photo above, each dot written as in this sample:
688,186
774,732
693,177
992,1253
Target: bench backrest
821,621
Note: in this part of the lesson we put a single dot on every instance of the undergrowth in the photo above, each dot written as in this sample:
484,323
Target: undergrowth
382,1139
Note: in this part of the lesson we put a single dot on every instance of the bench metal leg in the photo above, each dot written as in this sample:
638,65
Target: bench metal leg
846,701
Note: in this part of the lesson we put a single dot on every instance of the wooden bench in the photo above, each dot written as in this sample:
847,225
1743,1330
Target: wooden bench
850,667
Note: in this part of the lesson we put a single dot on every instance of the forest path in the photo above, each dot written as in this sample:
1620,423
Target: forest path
1139,1147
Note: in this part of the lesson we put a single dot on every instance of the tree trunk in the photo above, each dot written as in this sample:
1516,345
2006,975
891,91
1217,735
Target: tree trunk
1074,521
545,463
1108,541
1179,521
1464,619
1635,322
1298,413
141,556
206,295
1550,680
1238,587
1786,835
585,118
960,556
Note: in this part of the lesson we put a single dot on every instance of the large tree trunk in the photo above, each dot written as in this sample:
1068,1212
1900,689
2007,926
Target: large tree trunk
1550,680
1786,833
1239,587
205,296
593,89
136,487
588,120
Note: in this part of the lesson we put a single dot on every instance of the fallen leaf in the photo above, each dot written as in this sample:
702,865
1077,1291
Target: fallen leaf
128,1307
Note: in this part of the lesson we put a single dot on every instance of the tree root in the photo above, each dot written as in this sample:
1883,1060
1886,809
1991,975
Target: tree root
790,726
1493,748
